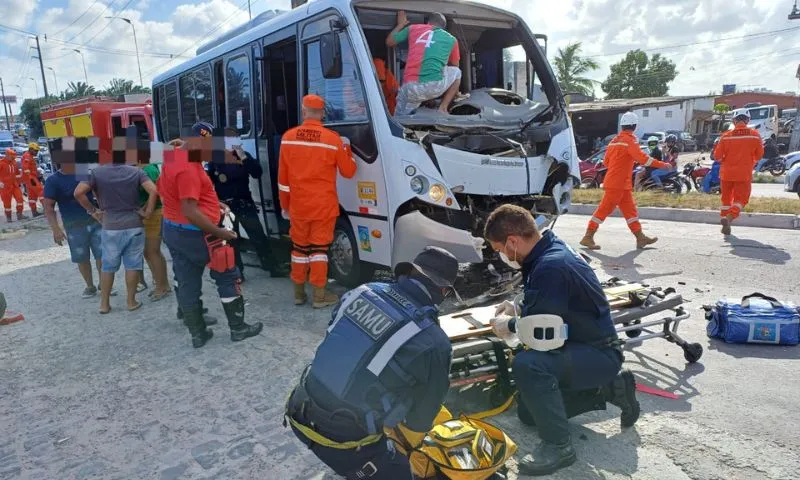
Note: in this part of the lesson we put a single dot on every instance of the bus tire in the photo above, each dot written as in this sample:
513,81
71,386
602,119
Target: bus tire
345,266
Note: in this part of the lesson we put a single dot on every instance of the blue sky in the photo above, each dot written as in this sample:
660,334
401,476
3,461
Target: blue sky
768,58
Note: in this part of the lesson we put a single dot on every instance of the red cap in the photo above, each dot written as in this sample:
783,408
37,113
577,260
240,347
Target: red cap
314,101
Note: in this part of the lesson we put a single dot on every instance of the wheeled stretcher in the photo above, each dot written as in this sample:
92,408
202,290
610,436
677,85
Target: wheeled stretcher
640,313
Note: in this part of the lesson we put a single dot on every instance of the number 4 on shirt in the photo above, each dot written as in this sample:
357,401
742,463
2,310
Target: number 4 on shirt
426,38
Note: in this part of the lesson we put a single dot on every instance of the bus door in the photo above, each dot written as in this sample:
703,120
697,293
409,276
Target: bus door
281,111
332,70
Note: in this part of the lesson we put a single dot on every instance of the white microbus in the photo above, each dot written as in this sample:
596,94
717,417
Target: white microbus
423,179
763,118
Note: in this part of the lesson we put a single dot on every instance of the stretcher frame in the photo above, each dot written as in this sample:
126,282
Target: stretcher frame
485,361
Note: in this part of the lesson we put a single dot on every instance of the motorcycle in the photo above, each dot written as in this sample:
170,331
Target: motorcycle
695,171
775,165
671,183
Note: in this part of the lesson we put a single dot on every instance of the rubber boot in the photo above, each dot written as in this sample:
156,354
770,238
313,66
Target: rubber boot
34,211
20,216
300,297
323,298
239,330
276,269
547,458
726,224
588,240
8,218
622,393
208,318
193,319
643,240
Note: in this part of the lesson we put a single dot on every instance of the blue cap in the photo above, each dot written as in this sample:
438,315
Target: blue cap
198,127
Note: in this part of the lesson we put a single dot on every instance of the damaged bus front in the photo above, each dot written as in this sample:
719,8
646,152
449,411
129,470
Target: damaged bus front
506,139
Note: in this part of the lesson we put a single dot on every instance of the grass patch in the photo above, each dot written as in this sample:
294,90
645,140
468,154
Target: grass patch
694,201
766,178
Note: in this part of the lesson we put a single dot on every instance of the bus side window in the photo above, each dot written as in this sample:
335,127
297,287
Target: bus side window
139,122
237,88
116,126
344,96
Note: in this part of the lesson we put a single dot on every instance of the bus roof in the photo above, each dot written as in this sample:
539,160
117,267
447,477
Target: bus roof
283,19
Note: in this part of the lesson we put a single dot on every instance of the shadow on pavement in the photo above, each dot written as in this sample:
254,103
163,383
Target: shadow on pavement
612,265
769,352
600,454
658,374
755,250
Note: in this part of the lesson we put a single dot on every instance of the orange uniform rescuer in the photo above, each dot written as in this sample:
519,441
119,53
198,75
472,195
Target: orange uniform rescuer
310,156
738,151
30,177
622,153
9,184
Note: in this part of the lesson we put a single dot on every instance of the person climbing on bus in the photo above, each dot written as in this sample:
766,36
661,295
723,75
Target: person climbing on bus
622,153
310,157
9,184
432,69
30,177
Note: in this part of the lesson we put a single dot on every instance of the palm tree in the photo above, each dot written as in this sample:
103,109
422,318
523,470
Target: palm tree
119,86
79,89
570,68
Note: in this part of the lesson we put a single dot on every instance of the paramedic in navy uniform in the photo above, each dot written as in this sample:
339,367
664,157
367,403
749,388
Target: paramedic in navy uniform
582,374
384,362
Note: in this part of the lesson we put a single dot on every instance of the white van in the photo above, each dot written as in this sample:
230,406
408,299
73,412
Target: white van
423,179
763,118
6,141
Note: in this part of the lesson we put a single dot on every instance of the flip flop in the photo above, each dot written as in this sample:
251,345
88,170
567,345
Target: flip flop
141,287
137,307
106,312
154,297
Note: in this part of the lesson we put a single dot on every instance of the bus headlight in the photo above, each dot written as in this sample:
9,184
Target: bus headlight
437,192
418,184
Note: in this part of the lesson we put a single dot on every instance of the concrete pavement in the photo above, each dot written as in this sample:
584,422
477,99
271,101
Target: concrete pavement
125,396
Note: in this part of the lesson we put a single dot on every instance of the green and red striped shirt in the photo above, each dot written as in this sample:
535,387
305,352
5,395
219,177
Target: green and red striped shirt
430,49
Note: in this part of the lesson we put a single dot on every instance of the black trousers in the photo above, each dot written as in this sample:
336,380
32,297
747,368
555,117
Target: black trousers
248,218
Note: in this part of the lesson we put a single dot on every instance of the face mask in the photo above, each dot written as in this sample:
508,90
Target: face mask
511,263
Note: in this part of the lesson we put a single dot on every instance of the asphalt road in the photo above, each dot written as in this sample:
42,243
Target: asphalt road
124,395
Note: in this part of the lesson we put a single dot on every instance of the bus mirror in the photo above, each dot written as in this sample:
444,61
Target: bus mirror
330,55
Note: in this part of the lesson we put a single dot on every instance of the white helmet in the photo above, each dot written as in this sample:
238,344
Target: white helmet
652,139
742,113
629,118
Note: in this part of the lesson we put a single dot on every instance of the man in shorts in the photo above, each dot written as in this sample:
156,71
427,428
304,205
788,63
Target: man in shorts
81,231
432,65
116,186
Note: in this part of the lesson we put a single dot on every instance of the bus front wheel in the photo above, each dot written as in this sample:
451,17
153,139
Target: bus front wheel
345,265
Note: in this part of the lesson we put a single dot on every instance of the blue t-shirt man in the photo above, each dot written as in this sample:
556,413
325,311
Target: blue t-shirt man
81,230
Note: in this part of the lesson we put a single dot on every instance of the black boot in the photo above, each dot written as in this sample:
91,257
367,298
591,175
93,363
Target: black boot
547,458
208,319
193,319
239,330
622,393
276,269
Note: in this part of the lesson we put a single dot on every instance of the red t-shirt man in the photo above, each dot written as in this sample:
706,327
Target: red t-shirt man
184,180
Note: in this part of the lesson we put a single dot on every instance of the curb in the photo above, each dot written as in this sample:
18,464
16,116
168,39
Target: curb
759,220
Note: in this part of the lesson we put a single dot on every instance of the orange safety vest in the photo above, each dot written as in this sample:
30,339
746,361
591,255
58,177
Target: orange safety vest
738,151
9,172
622,153
388,83
30,169
310,156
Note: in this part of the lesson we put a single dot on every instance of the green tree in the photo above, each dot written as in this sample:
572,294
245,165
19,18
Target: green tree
722,108
79,89
639,76
571,68
121,86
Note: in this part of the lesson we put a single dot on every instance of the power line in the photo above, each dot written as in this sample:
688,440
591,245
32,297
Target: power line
108,24
217,27
93,21
79,17
667,47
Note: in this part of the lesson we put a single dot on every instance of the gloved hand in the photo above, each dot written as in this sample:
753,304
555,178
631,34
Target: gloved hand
506,308
500,326
285,214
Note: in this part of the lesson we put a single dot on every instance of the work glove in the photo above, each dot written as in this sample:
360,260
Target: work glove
285,214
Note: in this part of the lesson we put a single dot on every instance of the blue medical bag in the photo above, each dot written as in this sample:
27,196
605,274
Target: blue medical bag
756,319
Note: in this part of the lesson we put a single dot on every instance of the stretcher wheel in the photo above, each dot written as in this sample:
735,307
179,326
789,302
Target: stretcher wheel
692,352
633,333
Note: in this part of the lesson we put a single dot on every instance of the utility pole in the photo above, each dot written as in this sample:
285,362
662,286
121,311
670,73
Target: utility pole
3,93
41,67
248,10
54,79
136,44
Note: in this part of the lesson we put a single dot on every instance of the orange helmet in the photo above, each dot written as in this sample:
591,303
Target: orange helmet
10,152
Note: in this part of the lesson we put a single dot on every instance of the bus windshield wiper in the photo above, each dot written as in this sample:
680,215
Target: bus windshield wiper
535,118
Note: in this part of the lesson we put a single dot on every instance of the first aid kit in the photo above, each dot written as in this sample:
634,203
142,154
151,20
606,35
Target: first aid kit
220,254
464,448
757,318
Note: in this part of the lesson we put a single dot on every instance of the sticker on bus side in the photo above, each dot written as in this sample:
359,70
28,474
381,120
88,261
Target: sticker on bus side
363,239
367,194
